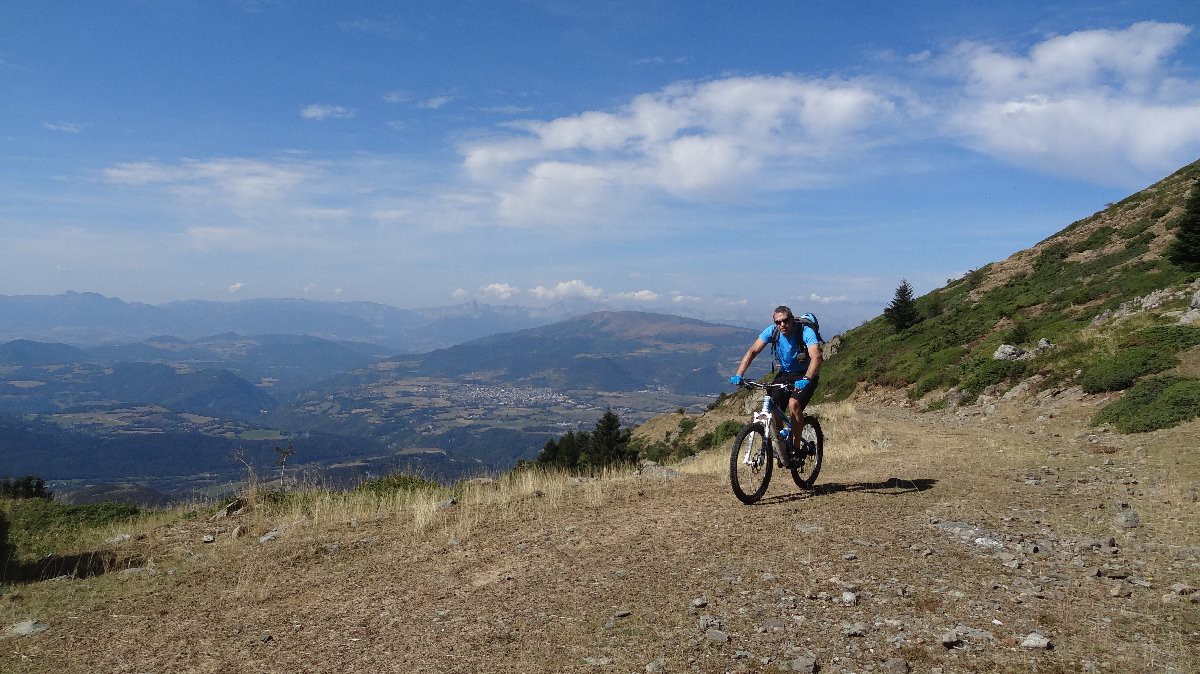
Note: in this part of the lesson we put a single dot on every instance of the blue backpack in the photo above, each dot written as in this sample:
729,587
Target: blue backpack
803,319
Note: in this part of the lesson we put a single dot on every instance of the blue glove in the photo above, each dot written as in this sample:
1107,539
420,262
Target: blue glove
801,384
736,380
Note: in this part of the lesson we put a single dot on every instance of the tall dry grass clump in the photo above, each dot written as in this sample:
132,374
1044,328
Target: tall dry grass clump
424,507
849,439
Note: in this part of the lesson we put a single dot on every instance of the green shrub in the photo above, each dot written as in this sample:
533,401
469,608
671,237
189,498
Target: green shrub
721,398
1098,239
5,548
1184,251
1131,230
1120,371
38,527
686,426
936,405
1167,338
717,437
30,486
935,380
1019,334
1153,403
658,452
985,372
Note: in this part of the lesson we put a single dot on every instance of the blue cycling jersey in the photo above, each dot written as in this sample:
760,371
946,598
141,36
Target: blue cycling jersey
792,352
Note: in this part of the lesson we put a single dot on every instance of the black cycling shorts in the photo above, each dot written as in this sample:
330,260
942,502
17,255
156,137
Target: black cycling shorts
780,398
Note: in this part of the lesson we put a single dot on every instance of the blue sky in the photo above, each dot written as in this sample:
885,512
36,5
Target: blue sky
711,159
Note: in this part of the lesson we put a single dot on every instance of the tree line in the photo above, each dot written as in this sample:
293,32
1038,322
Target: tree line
607,445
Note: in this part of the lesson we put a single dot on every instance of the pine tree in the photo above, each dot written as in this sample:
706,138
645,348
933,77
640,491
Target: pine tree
563,453
549,454
1185,250
609,444
902,312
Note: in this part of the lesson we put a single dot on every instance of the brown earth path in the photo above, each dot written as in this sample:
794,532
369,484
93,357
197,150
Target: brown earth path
643,574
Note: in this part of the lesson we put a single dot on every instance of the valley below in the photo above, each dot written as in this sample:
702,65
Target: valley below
191,420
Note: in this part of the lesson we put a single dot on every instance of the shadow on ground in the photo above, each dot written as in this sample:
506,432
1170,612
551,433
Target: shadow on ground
893,486
82,565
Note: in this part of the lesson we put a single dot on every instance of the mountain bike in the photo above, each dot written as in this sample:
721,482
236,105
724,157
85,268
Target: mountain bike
750,461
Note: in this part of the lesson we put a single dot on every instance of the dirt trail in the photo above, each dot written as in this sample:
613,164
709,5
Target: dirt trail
944,544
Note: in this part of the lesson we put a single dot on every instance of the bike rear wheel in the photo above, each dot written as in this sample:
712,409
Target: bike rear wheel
750,464
808,455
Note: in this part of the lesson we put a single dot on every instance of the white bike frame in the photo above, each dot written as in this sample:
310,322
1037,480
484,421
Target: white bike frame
765,417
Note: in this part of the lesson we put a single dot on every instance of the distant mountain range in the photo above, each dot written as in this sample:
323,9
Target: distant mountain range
602,351
88,319
282,364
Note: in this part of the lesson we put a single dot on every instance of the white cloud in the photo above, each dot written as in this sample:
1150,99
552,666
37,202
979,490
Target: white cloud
242,179
399,96
638,296
567,290
460,294
65,127
826,299
498,291
212,238
506,109
679,298
142,173
320,111
692,141
556,192
660,61
1100,105
437,102
236,287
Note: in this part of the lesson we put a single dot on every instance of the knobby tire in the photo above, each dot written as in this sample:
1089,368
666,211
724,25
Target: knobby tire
750,481
805,475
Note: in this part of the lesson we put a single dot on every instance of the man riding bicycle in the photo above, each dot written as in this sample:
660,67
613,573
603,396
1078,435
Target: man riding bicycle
798,349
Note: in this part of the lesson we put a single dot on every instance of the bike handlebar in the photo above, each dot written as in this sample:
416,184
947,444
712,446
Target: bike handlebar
753,384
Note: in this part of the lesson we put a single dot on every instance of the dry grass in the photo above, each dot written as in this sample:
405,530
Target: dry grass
850,439
528,573
455,512
708,462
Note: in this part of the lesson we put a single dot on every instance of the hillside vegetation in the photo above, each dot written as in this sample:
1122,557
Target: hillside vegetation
1102,294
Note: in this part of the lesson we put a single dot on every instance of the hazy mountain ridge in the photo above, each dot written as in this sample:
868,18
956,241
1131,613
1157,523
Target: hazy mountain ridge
89,319
283,363
603,350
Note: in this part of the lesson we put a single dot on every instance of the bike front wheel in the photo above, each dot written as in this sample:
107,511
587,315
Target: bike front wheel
750,464
808,454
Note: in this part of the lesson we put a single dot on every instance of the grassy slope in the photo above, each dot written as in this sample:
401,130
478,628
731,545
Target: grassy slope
1053,290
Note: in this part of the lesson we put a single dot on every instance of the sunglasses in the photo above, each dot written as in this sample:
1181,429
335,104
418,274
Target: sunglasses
783,321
